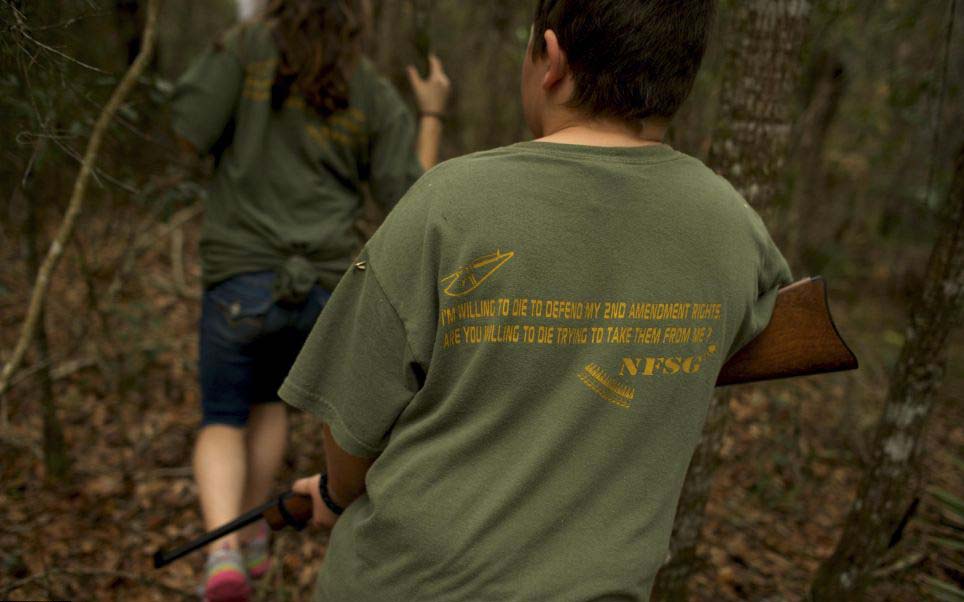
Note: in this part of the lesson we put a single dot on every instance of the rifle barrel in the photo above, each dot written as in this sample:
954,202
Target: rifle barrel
162,558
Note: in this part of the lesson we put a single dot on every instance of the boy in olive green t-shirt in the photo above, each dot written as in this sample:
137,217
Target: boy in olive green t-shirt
514,375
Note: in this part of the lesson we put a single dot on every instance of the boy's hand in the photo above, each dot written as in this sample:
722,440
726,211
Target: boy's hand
321,516
431,93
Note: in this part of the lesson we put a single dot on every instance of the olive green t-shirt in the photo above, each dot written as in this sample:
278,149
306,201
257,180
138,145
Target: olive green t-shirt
529,345
287,181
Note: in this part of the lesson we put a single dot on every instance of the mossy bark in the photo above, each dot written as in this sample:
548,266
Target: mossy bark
893,480
749,148
55,452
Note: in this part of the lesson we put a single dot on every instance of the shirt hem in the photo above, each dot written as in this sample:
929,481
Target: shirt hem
398,315
296,396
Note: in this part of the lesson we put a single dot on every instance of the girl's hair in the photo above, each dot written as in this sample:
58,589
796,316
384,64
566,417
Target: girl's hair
319,43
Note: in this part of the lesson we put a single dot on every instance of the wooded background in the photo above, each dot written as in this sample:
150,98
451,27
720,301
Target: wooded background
842,121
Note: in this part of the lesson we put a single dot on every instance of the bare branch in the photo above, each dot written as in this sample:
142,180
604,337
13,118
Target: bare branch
181,288
68,22
76,202
25,32
144,242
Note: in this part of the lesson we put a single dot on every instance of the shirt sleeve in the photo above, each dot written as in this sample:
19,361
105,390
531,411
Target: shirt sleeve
774,274
357,371
206,96
394,163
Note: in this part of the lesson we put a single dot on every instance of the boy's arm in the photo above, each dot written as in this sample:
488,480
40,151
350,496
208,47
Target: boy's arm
358,401
346,473
388,336
346,481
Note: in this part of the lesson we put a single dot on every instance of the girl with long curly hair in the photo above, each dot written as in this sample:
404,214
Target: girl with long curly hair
299,122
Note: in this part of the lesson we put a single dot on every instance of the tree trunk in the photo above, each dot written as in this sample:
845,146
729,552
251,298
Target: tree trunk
75,204
808,228
56,454
761,70
672,580
129,24
392,40
893,480
749,148
56,457
503,82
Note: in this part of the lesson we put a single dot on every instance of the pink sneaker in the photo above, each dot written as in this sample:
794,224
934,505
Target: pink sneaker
225,578
257,557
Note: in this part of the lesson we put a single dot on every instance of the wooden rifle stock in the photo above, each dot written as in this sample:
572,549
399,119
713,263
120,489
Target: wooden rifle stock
801,339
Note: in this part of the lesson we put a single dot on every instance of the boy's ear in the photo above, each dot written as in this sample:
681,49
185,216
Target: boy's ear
557,66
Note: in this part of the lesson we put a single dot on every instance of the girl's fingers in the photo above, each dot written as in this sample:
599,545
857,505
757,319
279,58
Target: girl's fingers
413,76
436,69
310,486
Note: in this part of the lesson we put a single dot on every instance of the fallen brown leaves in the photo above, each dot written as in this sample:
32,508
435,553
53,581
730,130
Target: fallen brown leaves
792,459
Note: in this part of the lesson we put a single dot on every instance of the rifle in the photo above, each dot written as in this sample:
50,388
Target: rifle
801,339
288,510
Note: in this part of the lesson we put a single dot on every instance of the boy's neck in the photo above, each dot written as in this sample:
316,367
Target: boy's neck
602,132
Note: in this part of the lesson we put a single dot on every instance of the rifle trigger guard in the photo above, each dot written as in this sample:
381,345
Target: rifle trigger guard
290,520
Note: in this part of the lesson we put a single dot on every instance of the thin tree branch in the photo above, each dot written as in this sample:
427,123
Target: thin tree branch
903,564
16,441
144,242
75,205
96,173
939,105
181,287
24,31
67,23
57,372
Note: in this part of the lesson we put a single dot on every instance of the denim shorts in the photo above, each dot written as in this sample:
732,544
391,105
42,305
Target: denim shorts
248,343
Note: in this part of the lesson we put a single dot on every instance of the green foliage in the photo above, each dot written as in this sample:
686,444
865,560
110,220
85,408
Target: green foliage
942,590
952,505
946,539
878,153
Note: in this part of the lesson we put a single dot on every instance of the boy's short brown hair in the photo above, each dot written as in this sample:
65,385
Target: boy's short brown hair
631,59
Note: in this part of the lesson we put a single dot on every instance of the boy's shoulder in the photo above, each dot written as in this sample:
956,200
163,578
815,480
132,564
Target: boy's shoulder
463,188
446,192
441,194
450,179
480,163
478,173
526,163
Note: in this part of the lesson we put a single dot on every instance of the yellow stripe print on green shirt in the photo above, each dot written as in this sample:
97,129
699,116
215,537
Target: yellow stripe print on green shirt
345,128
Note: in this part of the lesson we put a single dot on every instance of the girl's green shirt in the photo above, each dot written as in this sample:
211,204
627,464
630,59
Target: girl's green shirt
287,181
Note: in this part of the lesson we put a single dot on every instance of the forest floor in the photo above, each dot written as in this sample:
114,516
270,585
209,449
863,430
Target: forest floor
792,458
